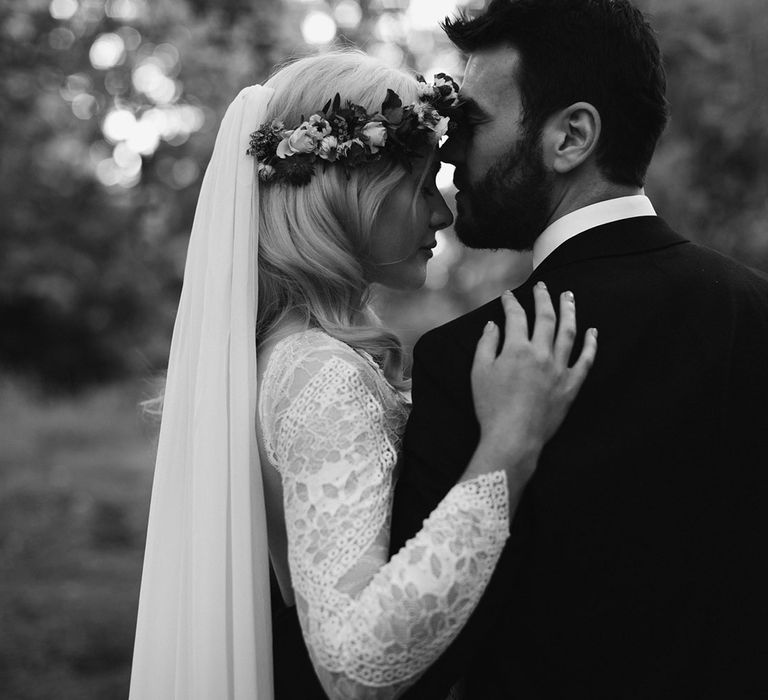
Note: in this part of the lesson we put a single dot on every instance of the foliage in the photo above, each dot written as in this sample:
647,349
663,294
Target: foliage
74,495
90,272
709,177
91,257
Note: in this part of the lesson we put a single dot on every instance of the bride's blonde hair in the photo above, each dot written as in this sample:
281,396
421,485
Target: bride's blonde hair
314,240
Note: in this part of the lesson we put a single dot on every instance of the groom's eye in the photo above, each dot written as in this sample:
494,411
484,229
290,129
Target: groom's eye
475,119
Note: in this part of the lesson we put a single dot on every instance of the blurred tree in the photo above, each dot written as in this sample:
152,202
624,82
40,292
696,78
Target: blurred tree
709,177
109,108
108,116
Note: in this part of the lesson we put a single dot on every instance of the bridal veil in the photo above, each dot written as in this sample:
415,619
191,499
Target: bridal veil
204,628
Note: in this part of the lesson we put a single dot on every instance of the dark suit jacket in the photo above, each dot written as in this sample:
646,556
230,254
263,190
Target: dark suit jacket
636,564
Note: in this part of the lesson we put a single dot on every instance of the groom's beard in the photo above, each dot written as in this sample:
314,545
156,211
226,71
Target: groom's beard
510,206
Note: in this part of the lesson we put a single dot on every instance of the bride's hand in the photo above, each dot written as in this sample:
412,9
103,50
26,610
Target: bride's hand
522,395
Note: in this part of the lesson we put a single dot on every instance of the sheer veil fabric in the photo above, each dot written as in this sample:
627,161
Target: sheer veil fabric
204,628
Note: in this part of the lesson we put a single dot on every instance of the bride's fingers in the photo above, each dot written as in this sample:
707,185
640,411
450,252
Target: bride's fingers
544,327
485,353
516,323
566,329
579,371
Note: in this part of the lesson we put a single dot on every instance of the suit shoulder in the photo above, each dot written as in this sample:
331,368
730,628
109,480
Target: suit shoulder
463,331
725,270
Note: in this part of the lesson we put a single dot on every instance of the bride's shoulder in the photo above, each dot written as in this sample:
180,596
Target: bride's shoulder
300,355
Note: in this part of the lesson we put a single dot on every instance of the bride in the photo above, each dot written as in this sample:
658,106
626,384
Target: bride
286,398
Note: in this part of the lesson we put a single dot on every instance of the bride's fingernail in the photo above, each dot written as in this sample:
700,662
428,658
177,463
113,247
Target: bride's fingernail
568,295
593,331
489,326
541,284
507,292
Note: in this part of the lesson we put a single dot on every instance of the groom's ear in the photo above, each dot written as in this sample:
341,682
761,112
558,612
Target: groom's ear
570,136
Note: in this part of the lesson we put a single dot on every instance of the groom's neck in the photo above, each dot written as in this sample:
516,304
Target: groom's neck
572,194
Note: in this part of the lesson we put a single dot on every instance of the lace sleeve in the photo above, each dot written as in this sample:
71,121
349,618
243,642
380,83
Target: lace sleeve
372,626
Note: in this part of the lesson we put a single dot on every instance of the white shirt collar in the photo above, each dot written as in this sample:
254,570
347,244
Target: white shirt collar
576,222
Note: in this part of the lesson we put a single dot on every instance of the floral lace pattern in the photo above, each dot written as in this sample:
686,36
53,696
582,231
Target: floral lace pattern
331,426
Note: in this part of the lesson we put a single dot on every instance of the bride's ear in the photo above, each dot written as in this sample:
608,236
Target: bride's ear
570,136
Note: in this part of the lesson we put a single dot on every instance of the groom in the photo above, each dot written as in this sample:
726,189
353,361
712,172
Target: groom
636,565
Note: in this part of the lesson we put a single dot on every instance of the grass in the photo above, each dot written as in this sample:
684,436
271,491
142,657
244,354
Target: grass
75,478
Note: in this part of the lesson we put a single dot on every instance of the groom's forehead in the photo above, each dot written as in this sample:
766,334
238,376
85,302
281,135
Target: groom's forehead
491,77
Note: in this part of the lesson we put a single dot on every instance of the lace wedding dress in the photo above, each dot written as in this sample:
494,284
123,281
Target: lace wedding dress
331,425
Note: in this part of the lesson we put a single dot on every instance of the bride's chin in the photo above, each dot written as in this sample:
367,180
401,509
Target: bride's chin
406,279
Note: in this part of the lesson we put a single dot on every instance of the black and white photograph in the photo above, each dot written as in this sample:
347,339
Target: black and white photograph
380,349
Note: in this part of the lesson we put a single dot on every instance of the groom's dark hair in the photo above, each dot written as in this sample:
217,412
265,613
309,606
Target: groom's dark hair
599,51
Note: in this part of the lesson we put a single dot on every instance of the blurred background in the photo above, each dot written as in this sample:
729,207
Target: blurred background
108,111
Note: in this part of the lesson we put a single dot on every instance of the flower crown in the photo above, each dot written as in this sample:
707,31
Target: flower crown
352,137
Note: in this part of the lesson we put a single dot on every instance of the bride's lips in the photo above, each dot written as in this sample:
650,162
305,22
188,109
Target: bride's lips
427,249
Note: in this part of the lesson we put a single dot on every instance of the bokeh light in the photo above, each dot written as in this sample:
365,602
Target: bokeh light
389,53
126,158
390,28
168,57
111,174
144,138
318,28
92,11
63,9
84,106
348,14
74,85
185,172
124,10
19,27
61,38
118,125
107,51
150,78
427,14
131,37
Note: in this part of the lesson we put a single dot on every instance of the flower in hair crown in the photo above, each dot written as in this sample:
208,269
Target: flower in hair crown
351,137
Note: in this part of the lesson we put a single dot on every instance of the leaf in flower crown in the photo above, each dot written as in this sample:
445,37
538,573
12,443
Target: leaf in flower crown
359,114
392,107
355,152
332,106
297,170
407,126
